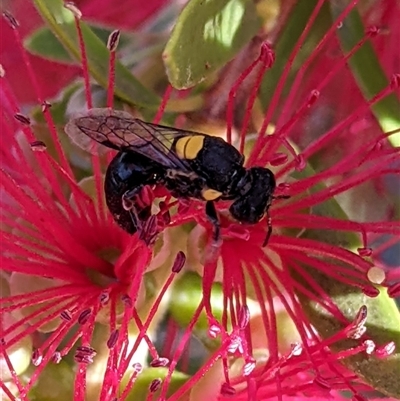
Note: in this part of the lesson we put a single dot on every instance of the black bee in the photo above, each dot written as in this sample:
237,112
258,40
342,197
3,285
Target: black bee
189,164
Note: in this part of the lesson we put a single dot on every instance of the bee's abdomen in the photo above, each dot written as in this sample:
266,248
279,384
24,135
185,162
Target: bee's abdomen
126,172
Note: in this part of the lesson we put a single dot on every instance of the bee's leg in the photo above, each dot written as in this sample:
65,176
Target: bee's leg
128,202
269,220
269,229
212,215
149,232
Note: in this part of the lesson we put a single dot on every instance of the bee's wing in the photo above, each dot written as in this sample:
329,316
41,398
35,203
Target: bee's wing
120,131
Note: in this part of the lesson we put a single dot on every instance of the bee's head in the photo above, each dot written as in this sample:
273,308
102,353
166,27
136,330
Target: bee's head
252,205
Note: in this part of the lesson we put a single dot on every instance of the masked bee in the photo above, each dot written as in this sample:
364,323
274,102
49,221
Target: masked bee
189,165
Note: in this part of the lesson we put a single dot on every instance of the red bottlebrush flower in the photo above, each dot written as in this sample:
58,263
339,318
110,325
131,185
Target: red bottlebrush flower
295,373
53,76
70,273
76,298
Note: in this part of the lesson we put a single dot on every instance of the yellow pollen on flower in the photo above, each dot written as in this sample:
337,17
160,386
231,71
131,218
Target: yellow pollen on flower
376,275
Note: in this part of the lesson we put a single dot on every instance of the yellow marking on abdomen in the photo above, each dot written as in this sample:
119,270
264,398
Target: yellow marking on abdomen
188,147
209,194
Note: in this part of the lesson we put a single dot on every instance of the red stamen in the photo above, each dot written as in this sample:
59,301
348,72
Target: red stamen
112,45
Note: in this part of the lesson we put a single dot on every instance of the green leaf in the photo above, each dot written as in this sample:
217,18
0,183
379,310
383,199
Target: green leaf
367,70
206,36
383,326
43,43
62,24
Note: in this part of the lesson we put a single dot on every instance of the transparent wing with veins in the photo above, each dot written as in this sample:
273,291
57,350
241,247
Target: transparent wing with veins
118,130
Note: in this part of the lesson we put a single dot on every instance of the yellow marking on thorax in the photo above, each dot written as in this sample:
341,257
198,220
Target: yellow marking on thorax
209,194
189,146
